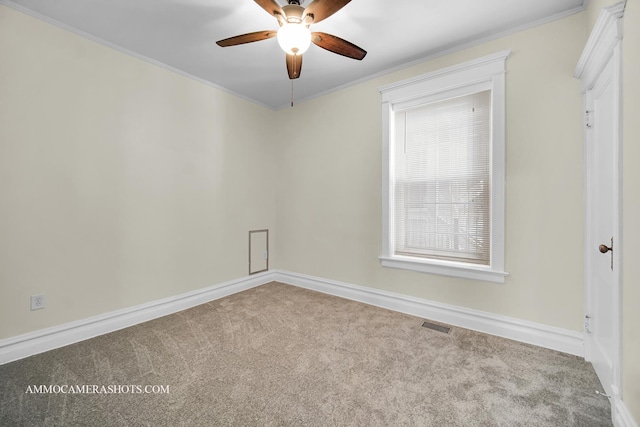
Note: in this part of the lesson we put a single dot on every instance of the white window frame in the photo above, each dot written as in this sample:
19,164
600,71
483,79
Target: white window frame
487,72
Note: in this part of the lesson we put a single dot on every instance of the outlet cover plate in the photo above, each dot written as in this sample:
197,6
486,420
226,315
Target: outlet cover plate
37,302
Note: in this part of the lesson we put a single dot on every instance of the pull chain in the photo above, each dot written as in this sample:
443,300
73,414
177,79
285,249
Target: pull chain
291,92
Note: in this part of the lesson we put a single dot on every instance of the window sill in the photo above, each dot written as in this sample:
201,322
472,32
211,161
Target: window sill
444,268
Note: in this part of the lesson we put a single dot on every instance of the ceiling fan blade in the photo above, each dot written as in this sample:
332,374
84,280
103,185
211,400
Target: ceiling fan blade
247,38
322,9
272,7
294,66
337,45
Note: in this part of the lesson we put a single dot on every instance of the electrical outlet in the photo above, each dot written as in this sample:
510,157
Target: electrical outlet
37,302
265,255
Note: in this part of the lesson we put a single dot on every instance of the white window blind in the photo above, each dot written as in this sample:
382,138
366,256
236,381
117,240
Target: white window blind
442,176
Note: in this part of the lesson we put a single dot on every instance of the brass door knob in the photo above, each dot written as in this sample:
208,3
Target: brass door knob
604,249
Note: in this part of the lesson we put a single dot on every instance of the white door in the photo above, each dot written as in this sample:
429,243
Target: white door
602,252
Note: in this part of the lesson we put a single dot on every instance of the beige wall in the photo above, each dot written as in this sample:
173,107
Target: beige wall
631,210
120,182
329,185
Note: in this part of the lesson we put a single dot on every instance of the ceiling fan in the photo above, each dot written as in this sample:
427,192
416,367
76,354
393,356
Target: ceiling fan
294,35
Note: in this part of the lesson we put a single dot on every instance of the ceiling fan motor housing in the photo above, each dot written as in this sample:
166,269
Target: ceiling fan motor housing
293,13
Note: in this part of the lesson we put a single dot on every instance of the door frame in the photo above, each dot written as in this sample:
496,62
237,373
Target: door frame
603,46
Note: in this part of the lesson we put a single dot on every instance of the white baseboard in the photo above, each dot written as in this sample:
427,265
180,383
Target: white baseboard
520,330
551,337
622,417
533,333
58,336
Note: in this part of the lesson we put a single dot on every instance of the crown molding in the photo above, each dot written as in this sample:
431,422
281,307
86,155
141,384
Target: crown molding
454,48
125,51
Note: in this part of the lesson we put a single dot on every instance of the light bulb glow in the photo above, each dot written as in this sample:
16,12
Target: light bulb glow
294,38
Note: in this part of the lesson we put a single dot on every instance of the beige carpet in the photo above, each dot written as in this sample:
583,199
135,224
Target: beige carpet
278,355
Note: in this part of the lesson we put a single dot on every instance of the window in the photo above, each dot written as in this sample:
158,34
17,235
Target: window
443,171
441,180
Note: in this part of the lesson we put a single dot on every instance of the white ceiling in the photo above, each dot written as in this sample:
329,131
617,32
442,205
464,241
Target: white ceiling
181,34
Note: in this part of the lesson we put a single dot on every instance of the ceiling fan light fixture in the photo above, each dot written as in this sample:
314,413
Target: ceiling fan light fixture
294,39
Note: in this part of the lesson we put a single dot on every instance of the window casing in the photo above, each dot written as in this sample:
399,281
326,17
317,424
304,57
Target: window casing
443,171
